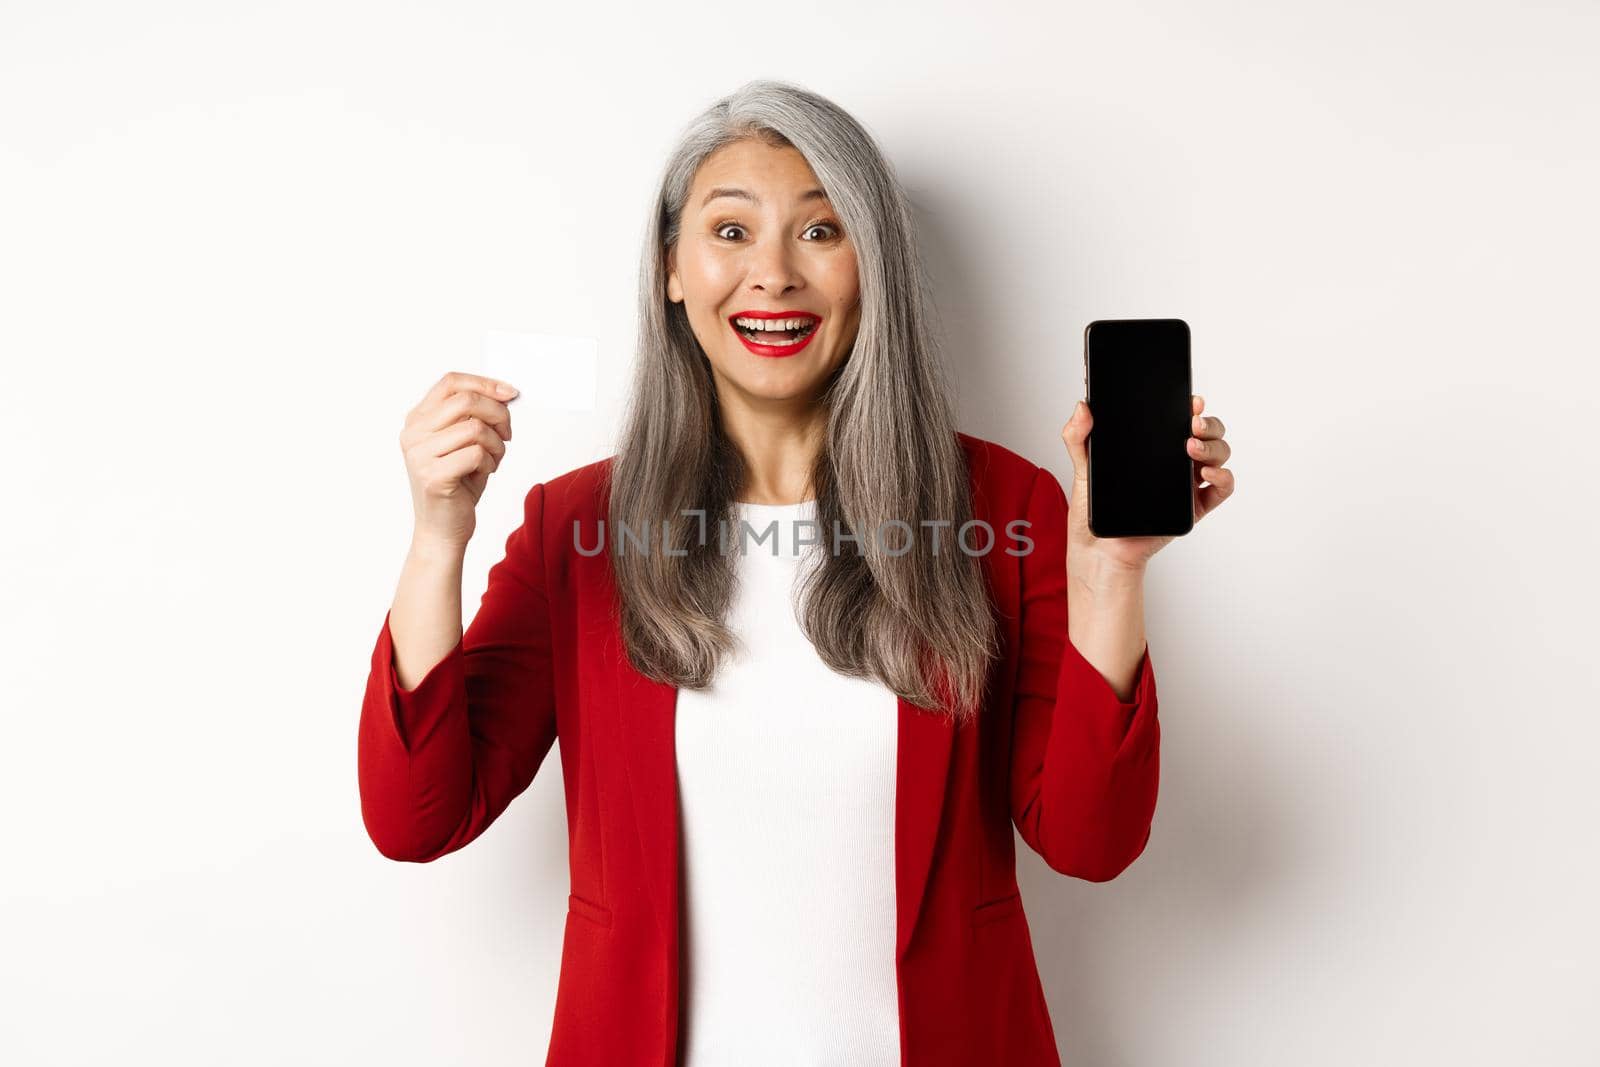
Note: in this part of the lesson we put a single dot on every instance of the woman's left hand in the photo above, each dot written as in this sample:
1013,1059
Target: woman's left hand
1090,557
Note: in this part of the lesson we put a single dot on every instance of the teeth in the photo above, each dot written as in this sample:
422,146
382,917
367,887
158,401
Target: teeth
773,324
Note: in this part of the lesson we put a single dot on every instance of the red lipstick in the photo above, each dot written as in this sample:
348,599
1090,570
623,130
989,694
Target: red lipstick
786,349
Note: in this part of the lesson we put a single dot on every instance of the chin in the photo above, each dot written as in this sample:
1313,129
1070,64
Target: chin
778,386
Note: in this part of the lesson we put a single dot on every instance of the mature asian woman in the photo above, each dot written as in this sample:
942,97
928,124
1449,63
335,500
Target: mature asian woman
810,652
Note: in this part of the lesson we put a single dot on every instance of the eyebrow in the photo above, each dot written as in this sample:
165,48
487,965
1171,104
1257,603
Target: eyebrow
809,194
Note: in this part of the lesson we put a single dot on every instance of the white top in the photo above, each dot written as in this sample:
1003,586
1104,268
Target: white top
786,784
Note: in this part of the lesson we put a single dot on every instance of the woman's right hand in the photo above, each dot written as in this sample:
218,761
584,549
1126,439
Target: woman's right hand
452,441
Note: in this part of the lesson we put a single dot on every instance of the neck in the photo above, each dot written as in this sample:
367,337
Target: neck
779,445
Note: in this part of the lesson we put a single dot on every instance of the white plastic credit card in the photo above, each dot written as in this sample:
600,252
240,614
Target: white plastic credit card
550,371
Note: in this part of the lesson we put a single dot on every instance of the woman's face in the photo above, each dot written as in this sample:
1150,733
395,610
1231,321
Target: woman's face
757,235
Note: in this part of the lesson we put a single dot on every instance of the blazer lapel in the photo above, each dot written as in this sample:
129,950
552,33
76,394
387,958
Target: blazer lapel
923,765
648,712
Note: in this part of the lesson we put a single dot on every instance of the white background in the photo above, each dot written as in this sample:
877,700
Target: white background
238,242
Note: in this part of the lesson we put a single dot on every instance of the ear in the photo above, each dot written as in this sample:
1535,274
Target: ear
674,287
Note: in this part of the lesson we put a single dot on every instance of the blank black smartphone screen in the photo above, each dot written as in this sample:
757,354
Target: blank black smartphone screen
1137,386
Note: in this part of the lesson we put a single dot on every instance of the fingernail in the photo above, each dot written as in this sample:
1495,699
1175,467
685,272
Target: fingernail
506,390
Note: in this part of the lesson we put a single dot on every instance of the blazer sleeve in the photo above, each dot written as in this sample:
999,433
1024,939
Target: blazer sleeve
1084,763
437,764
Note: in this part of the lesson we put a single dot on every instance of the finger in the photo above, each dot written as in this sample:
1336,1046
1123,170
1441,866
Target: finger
461,464
475,483
1220,489
461,382
470,403
1197,402
1214,451
464,434
1207,426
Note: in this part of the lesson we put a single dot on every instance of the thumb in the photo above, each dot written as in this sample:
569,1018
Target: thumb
1076,434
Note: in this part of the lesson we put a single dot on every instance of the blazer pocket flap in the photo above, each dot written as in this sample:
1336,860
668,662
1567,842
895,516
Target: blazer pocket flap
995,910
588,909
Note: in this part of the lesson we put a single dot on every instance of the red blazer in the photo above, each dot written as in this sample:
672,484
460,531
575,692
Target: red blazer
1054,753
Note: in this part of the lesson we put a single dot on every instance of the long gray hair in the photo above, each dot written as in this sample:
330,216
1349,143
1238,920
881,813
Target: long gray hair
921,621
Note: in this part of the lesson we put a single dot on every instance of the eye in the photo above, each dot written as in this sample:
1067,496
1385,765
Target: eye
832,226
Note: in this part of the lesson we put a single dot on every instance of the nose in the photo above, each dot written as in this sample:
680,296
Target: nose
773,270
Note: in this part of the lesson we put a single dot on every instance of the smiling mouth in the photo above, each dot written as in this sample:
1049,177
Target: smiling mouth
777,337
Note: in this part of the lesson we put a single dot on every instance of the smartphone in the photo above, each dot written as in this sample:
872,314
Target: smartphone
1137,383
